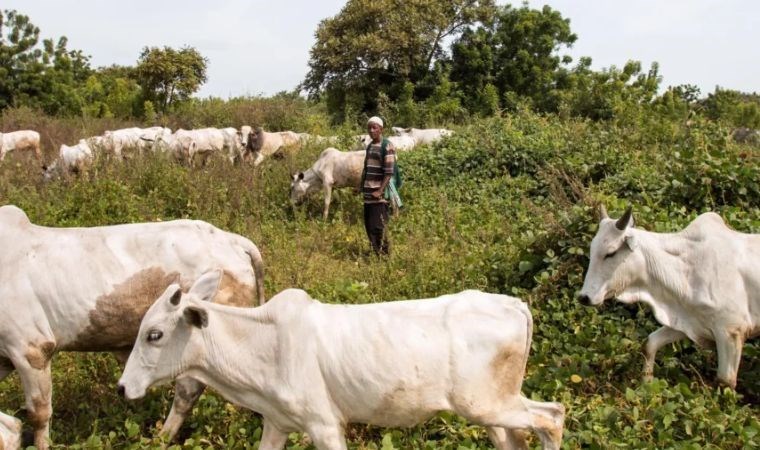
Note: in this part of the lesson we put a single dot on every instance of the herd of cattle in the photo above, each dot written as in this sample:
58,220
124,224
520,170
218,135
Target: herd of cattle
172,301
192,146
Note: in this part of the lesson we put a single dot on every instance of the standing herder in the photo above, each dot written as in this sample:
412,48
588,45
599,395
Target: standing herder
378,171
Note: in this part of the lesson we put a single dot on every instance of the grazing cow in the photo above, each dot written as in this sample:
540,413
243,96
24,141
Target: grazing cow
702,283
86,289
233,144
333,169
261,144
20,140
314,367
200,144
71,159
401,143
423,136
149,136
10,432
116,141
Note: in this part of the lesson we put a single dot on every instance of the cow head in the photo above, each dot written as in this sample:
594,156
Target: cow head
169,340
614,260
255,140
298,189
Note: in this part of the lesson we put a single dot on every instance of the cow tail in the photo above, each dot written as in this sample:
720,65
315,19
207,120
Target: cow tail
258,268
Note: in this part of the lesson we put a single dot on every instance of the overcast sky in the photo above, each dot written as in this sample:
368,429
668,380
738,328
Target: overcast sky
262,47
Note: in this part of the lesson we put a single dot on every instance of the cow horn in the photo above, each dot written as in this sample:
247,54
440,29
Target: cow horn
603,212
622,222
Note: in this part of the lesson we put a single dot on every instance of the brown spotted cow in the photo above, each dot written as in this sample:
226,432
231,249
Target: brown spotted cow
86,289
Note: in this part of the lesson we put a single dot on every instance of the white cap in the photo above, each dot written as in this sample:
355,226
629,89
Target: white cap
375,119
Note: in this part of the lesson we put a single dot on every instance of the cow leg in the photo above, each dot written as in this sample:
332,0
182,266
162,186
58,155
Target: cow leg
186,393
272,438
328,198
655,341
520,413
729,345
505,439
38,388
327,437
6,368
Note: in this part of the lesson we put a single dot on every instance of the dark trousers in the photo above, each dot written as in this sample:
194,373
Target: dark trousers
375,219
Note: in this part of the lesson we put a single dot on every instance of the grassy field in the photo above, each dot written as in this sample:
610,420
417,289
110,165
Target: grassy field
506,205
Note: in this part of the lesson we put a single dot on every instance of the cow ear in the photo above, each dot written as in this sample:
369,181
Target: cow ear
300,175
631,242
206,285
176,297
196,316
174,293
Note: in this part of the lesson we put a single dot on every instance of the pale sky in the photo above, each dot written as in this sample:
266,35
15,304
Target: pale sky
262,47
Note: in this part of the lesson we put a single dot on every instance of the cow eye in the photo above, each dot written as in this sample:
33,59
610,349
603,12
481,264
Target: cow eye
155,335
610,255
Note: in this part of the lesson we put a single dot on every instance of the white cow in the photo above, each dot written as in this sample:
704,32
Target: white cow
702,283
149,136
71,159
20,140
423,136
117,141
314,367
233,144
401,143
10,432
262,144
86,289
200,144
333,169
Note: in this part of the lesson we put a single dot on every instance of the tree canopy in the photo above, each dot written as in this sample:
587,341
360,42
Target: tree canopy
44,77
376,46
167,76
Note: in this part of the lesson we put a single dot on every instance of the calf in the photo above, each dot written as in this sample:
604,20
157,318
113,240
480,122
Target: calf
314,367
702,283
333,169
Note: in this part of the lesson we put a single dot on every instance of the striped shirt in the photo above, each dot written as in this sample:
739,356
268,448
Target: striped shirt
377,170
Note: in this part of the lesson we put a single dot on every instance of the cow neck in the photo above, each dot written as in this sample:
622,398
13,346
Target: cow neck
311,175
239,345
664,254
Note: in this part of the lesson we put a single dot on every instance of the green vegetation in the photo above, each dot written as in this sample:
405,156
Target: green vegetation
506,205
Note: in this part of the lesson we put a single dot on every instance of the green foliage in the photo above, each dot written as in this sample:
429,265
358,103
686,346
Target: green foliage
733,108
517,53
374,47
168,76
47,78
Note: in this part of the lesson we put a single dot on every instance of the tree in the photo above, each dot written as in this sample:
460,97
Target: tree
517,53
46,77
378,46
168,76
112,92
